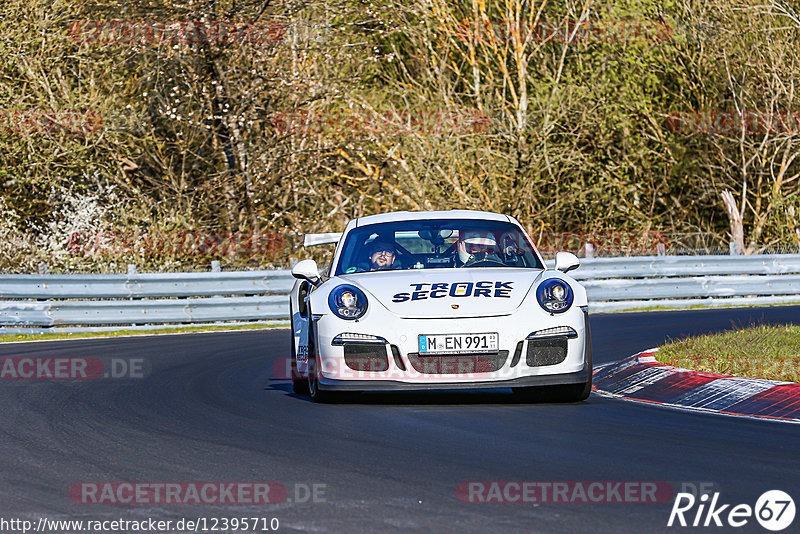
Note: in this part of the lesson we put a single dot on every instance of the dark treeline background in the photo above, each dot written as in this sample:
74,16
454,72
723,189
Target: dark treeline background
273,118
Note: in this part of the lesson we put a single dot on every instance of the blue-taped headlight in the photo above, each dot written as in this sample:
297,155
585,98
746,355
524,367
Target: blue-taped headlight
347,302
554,295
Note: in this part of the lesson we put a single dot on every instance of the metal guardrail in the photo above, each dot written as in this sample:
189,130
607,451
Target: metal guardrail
684,281
669,266
138,299
93,302
136,285
106,312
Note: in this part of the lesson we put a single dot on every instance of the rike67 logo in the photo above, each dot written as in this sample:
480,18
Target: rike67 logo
774,510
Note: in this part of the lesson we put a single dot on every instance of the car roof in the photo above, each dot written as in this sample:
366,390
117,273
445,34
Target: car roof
422,215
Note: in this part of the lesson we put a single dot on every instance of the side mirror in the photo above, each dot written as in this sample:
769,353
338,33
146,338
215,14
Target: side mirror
566,261
306,270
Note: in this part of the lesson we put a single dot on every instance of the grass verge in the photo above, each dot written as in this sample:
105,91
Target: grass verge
771,352
122,332
699,307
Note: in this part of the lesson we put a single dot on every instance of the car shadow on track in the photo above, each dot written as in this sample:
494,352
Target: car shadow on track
434,398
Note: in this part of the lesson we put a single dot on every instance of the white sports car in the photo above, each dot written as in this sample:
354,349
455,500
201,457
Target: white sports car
438,300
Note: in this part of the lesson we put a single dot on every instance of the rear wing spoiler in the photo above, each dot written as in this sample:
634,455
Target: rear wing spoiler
312,240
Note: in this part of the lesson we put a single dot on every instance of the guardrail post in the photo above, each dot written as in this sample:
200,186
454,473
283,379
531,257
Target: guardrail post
215,266
43,268
589,248
734,249
132,272
661,249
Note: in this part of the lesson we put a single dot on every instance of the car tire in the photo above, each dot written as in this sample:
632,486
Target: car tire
582,391
299,384
528,394
578,392
565,392
314,371
562,393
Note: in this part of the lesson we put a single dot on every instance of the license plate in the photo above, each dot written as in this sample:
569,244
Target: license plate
457,343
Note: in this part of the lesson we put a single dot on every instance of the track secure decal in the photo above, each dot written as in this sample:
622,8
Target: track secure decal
456,289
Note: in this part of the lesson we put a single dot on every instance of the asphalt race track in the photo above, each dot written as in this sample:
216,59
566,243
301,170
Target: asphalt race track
210,409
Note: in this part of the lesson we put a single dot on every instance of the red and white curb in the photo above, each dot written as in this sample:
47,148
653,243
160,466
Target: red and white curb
642,378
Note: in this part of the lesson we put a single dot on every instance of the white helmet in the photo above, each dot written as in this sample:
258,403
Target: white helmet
478,239
476,243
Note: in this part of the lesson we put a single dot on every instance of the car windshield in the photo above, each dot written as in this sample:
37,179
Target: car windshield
436,244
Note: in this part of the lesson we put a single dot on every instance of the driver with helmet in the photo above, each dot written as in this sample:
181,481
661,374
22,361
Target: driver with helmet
476,247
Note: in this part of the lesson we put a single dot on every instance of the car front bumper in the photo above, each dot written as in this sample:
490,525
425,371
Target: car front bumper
402,368
578,377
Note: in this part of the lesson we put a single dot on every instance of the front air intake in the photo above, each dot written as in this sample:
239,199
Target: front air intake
542,352
366,357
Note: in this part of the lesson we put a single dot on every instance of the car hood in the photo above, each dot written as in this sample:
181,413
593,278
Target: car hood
443,293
